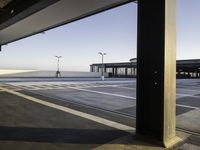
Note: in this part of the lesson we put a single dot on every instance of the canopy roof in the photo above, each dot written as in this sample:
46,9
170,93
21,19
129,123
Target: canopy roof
23,18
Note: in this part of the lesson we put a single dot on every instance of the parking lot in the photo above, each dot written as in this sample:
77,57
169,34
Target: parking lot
113,100
115,96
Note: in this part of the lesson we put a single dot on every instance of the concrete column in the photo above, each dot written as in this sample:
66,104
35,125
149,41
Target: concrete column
126,72
116,72
113,72
105,68
189,74
178,72
96,68
91,68
131,71
156,71
135,71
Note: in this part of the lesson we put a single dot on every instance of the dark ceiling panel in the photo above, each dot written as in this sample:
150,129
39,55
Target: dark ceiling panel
19,9
3,3
35,17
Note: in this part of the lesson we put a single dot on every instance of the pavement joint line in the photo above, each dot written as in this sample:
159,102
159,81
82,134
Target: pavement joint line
104,93
186,106
97,119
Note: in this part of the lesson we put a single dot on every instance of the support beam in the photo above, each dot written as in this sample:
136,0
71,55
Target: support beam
134,71
156,71
116,72
105,68
113,72
126,72
90,68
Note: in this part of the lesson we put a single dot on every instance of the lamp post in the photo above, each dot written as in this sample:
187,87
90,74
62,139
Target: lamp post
58,74
102,68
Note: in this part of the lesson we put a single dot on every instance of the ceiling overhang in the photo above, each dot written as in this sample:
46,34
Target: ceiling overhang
43,15
3,3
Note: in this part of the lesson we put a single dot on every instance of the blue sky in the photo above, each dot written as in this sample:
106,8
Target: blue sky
113,32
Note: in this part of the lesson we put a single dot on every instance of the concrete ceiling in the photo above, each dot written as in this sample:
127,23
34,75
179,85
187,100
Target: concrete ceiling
3,3
59,13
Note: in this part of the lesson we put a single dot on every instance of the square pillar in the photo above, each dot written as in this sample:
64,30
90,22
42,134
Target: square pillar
91,68
104,68
134,71
116,74
126,72
113,73
156,71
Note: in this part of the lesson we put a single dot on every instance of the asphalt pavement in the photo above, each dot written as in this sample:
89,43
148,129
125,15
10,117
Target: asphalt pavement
112,99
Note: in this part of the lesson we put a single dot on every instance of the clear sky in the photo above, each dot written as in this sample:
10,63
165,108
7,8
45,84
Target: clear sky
113,32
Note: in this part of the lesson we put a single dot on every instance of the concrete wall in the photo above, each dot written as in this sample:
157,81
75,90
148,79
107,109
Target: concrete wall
32,73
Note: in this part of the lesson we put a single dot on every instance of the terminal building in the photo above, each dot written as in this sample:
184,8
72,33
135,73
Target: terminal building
184,69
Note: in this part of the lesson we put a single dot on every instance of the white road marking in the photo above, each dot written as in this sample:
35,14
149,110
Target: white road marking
80,87
104,93
75,112
62,86
186,106
187,95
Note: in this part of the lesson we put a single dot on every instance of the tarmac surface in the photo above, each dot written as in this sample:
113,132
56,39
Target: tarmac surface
84,113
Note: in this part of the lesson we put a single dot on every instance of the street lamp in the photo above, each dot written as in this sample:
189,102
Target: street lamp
58,74
102,68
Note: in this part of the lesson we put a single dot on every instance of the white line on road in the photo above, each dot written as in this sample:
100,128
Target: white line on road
186,106
86,90
187,95
129,97
75,112
104,93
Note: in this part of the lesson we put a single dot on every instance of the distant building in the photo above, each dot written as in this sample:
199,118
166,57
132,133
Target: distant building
185,68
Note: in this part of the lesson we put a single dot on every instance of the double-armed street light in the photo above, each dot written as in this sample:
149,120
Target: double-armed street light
58,74
102,68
